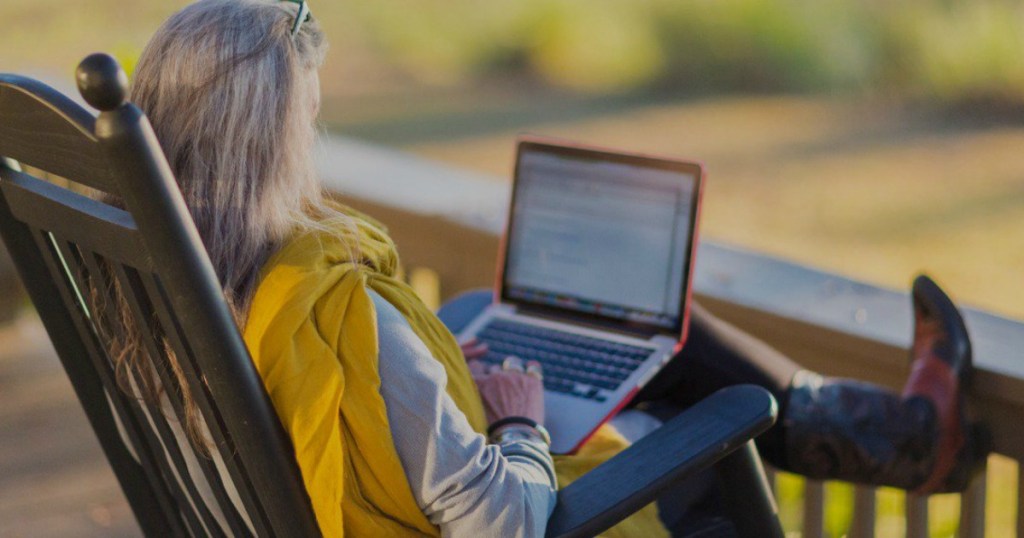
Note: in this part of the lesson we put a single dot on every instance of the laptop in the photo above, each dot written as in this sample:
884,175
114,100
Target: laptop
593,277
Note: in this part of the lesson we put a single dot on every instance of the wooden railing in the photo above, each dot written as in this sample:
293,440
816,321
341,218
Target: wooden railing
446,223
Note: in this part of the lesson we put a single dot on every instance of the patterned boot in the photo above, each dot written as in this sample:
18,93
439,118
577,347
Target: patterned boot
920,440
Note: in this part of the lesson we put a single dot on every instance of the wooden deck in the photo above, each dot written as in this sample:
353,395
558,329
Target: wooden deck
54,480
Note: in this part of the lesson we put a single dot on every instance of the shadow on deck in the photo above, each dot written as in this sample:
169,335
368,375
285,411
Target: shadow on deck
54,479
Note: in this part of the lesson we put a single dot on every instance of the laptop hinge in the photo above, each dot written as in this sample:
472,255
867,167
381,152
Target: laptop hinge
617,327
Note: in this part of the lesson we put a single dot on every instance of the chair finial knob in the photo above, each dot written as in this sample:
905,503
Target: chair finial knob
102,82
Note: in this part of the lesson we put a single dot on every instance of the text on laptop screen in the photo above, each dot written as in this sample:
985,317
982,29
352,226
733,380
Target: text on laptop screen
600,236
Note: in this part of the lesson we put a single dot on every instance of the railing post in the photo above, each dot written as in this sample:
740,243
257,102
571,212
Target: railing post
814,509
972,509
863,525
427,285
917,516
1020,498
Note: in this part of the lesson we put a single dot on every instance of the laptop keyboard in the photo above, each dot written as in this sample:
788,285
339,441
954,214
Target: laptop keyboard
573,364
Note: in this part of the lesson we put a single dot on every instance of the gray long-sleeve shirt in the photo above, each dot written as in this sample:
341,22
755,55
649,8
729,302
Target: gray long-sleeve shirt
464,485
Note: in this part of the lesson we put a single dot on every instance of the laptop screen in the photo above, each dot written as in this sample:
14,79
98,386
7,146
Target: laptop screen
601,235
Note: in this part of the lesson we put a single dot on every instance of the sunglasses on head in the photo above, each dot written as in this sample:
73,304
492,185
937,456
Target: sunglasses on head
304,15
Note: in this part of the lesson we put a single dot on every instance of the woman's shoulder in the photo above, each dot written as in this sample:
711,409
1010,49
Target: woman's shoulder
401,352
336,236
320,271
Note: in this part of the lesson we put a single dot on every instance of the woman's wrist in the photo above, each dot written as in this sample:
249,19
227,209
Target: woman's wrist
521,441
511,432
522,422
512,419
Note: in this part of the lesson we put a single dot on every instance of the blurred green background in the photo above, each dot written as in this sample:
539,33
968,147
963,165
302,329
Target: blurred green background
946,52
871,138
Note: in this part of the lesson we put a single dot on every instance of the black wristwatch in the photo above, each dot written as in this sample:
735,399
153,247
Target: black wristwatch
511,429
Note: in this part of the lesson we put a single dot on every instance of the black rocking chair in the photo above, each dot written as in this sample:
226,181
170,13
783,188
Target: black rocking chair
62,242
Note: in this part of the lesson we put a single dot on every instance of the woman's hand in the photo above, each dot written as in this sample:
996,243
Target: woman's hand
473,349
510,390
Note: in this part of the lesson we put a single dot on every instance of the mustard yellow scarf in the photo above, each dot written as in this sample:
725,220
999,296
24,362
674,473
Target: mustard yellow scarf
313,337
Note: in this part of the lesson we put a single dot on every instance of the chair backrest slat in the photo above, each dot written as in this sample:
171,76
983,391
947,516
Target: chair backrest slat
199,518
46,130
201,393
88,273
92,224
134,293
126,409
101,276
148,502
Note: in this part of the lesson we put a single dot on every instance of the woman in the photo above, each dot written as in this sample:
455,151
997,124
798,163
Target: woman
389,421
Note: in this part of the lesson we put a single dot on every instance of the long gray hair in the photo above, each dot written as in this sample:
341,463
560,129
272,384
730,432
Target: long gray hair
233,98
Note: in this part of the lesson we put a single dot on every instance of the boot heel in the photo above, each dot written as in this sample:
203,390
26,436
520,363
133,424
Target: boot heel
972,459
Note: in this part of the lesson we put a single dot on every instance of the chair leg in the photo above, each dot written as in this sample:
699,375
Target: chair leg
748,498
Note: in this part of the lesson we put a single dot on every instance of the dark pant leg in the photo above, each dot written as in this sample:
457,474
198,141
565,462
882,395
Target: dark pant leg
716,355
830,428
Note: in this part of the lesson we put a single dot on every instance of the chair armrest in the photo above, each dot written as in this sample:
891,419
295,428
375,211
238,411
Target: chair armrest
694,440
